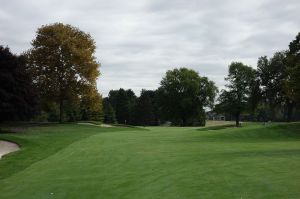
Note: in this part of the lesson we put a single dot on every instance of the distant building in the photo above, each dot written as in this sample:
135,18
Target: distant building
210,115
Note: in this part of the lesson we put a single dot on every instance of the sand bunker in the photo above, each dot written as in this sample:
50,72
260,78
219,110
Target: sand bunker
7,147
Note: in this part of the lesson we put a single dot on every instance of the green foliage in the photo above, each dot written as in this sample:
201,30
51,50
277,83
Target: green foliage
263,113
123,102
18,98
53,111
109,112
125,106
145,113
239,88
56,80
276,92
293,64
183,94
272,74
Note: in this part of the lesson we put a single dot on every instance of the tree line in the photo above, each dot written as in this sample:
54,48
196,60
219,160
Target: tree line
55,80
180,99
269,93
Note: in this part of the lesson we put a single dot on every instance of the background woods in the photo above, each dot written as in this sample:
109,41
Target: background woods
55,80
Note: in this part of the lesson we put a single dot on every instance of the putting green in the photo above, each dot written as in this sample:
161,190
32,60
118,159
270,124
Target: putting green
82,161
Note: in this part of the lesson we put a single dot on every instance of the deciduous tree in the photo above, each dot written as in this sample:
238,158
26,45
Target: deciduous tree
63,63
272,74
236,97
183,96
293,64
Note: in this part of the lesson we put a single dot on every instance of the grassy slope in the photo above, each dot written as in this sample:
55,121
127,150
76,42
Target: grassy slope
85,162
39,142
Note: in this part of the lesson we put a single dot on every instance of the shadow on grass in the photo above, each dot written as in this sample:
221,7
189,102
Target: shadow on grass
214,128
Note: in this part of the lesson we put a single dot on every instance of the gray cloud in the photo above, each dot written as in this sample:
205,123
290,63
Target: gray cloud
138,40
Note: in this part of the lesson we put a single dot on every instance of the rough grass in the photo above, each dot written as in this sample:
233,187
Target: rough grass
78,161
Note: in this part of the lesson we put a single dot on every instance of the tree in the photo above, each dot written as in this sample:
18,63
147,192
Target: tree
109,112
18,98
293,70
122,107
255,95
91,105
225,104
272,74
183,96
236,97
144,109
123,102
62,63
131,104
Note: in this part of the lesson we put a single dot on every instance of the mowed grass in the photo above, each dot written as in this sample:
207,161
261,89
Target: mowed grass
82,161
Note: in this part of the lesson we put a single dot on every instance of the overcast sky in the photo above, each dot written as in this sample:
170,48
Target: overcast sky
139,40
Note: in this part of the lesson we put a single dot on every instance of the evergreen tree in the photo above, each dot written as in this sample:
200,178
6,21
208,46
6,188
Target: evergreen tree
18,98
123,102
109,112
144,109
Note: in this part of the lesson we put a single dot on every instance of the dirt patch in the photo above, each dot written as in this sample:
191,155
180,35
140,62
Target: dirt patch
100,125
7,147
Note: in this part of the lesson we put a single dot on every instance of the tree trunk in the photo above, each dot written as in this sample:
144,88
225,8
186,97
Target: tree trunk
183,121
237,119
289,110
61,110
272,111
